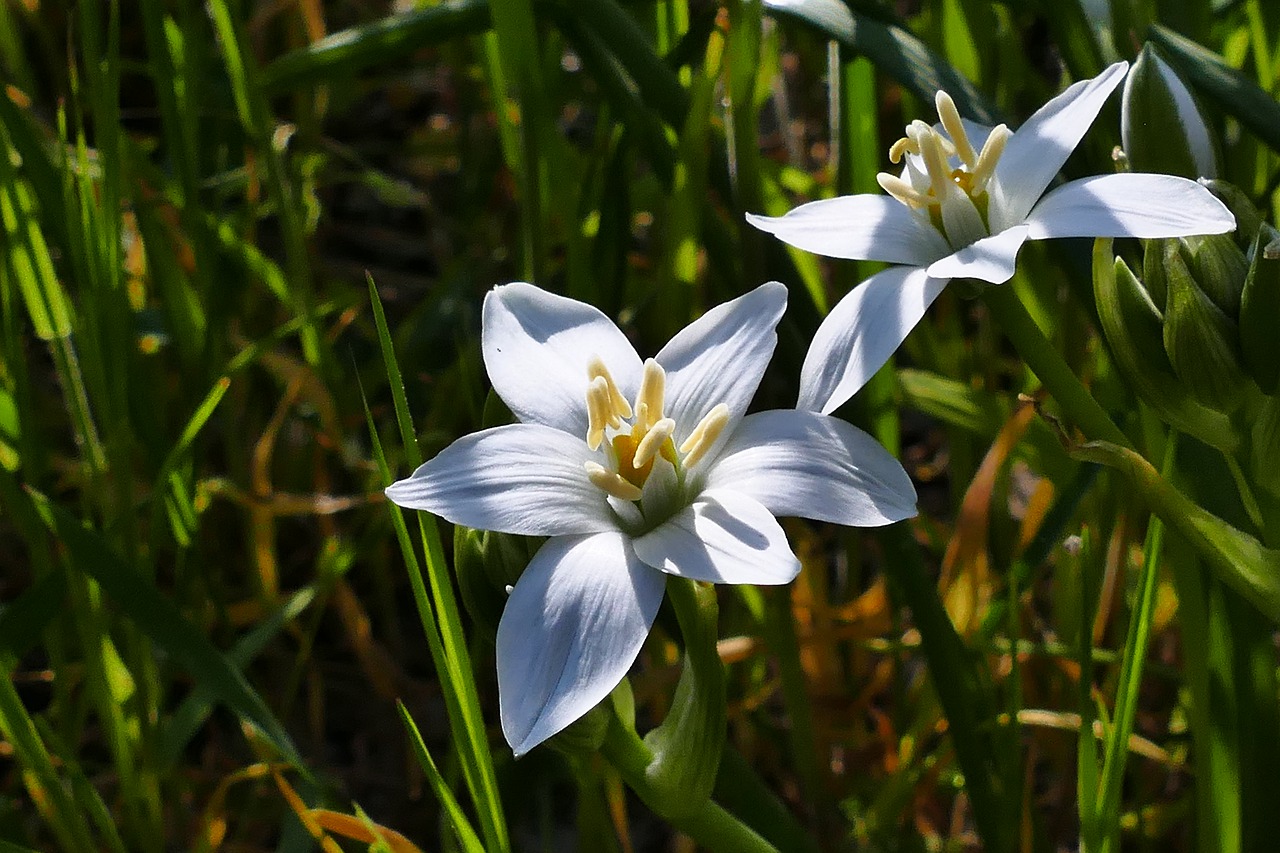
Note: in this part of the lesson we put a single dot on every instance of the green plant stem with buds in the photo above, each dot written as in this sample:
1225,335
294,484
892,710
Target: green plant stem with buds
709,825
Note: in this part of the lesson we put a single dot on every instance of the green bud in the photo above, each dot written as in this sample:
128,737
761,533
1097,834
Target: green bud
1264,452
1133,328
1153,269
1260,312
1248,219
584,735
1161,127
486,563
1219,268
1202,342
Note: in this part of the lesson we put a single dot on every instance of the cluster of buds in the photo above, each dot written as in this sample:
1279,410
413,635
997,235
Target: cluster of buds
1194,330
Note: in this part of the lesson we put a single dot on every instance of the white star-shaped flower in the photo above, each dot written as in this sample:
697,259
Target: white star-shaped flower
636,470
966,200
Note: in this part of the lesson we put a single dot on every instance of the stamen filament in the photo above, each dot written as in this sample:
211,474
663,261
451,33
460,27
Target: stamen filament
704,435
950,117
649,401
612,483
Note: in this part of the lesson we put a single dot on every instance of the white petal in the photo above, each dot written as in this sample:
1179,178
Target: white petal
1037,150
721,357
990,259
815,466
572,628
724,537
519,478
1129,205
536,348
860,334
862,227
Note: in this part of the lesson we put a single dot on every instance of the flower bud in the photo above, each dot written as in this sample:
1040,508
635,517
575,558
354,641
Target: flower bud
1202,342
1219,268
1133,328
1265,446
1161,127
486,564
1248,219
1260,312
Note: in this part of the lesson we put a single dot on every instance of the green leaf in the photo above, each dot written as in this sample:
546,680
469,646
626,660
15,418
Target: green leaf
1222,85
457,817
23,619
894,50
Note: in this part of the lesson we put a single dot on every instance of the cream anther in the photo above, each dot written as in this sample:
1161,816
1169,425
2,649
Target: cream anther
600,412
611,482
652,442
950,117
991,151
902,190
649,401
596,369
935,163
704,435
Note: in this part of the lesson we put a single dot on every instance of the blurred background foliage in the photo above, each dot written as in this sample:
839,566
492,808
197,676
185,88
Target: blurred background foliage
205,620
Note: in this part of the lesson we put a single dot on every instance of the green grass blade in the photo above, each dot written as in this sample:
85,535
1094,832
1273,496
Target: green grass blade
160,620
439,613
457,817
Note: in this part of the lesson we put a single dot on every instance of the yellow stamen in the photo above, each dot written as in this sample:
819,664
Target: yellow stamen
649,401
950,117
704,435
901,148
611,482
902,190
991,151
600,413
652,442
935,164
596,368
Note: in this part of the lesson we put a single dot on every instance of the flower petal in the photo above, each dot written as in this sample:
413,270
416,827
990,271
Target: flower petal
860,334
863,227
721,357
572,628
1037,150
809,465
536,347
1129,205
990,259
519,478
724,537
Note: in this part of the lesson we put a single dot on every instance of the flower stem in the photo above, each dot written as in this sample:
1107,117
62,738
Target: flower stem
1050,367
709,825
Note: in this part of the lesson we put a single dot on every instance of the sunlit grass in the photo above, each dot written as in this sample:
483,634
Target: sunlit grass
242,252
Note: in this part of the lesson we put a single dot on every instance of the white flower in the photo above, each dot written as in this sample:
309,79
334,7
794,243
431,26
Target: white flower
966,200
635,469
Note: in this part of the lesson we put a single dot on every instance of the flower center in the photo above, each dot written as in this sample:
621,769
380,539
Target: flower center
948,193
635,437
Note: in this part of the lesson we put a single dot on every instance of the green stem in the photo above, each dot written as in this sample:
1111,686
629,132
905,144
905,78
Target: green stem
709,825
1049,366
